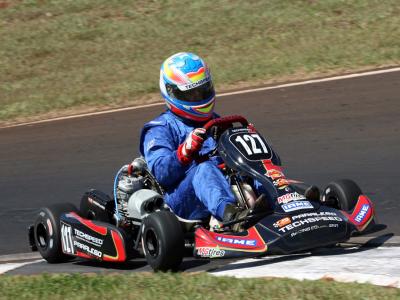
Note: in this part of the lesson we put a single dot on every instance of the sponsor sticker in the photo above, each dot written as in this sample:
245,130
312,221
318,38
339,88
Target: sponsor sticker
236,241
307,229
282,222
313,214
281,183
296,205
88,238
210,252
193,85
362,213
290,197
274,174
88,249
278,178
310,220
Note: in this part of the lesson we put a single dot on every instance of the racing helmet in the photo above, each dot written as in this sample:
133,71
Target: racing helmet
186,85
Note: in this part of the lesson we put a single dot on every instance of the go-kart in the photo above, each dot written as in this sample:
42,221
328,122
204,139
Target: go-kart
116,229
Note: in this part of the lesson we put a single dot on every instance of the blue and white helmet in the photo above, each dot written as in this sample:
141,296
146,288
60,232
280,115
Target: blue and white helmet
186,85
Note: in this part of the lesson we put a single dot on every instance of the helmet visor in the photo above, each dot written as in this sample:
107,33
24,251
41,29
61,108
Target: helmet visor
197,94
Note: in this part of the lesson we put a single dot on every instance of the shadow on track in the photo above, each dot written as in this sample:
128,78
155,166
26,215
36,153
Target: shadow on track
131,265
374,242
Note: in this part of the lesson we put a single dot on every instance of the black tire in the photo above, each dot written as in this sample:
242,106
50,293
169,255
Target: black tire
46,239
341,194
163,241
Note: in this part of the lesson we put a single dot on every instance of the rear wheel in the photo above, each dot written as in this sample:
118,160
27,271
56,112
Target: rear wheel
163,241
47,232
341,194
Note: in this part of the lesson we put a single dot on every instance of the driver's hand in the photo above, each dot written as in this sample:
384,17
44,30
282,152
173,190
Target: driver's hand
191,146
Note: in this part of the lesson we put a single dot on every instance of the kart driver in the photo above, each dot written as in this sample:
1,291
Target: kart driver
170,142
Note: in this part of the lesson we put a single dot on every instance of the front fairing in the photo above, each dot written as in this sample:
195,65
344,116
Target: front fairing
247,152
304,229
289,232
277,233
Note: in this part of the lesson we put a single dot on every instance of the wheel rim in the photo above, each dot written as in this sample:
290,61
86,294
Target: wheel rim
151,242
41,236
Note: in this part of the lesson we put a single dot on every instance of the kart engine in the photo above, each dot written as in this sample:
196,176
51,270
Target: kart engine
136,191
127,185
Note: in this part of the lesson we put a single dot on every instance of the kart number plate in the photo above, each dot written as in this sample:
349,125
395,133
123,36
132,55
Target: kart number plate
251,145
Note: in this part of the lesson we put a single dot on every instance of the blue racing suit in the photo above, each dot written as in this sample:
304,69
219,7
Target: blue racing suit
195,190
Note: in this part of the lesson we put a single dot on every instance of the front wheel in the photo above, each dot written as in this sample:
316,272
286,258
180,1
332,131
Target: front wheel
163,241
341,194
47,232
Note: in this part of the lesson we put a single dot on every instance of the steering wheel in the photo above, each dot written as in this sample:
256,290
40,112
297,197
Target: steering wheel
217,127
224,123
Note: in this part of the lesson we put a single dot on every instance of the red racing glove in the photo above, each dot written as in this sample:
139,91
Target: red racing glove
192,145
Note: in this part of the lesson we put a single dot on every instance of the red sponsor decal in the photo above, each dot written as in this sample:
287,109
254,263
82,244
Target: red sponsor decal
275,173
268,165
88,223
290,197
362,214
210,252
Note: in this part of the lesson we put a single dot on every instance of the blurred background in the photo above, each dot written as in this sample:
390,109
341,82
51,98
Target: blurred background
60,57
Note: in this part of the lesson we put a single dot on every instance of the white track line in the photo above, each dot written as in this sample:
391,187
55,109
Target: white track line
311,81
379,266
12,266
279,86
19,257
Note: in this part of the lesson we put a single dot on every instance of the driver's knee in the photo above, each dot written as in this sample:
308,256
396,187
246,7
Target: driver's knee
206,167
208,173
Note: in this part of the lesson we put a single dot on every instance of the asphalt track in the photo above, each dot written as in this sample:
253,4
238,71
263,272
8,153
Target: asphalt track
323,131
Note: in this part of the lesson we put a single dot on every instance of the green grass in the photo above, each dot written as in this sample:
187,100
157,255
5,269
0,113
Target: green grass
182,286
58,55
